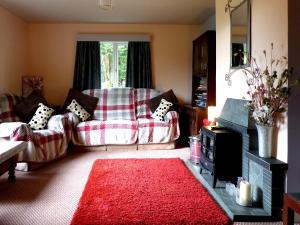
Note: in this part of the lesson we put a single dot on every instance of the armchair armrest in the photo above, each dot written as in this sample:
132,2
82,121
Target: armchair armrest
22,133
7,128
57,123
62,122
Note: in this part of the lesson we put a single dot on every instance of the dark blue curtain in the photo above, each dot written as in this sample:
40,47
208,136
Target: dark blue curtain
139,73
87,73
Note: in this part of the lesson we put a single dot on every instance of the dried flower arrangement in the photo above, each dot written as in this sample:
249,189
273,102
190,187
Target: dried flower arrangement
268,87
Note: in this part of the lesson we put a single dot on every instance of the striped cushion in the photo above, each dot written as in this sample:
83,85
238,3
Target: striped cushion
114,103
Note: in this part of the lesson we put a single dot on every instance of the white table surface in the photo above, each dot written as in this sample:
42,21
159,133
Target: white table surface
9,149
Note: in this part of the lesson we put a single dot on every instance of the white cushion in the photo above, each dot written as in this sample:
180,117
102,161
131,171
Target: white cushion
76,108
161,110
40,118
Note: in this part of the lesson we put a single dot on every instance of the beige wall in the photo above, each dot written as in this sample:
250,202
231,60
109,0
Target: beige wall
52,54
13,52
269,24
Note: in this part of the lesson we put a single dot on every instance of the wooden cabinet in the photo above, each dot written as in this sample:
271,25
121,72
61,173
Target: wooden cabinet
203,82
194,116
204,70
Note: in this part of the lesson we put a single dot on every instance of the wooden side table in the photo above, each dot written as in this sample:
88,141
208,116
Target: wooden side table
290,206
195,116
8,160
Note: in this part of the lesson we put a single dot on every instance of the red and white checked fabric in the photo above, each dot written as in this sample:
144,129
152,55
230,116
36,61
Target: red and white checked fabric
153,131
114,103
7,101
63,124
44,145
96,132
142,95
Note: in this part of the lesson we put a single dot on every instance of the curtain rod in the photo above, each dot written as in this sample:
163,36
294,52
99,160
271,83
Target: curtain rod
113,37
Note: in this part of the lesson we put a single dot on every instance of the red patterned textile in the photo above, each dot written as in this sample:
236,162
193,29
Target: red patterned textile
142,96
98,132
42,145
153,131
123,117
114,103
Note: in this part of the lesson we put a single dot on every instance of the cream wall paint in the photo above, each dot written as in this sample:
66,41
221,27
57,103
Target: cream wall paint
269,24
52,54
13,53
209,24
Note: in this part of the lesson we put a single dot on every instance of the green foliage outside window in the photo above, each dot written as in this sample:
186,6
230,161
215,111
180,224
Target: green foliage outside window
122,49
108,76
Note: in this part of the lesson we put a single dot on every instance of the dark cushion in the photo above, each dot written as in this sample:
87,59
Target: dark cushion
153,103
26,108
89,103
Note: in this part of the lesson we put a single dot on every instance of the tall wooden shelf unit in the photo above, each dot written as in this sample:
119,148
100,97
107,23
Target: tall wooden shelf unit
203,78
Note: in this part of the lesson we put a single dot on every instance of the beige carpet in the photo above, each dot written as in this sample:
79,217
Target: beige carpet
49,195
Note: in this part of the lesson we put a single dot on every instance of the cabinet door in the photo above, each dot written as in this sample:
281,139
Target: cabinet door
204,55
197,51
204,70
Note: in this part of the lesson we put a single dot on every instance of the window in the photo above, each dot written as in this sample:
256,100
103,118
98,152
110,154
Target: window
113,64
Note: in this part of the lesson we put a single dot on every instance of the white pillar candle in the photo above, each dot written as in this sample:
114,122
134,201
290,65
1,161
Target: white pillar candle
245,193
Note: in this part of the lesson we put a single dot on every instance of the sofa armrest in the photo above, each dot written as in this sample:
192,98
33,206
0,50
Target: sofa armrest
57,123
171,117
22,133
62,122
72,118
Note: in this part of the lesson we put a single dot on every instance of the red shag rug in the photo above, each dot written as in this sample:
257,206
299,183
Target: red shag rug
145,191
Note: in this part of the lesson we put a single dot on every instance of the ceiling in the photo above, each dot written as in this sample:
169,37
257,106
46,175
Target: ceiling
124,11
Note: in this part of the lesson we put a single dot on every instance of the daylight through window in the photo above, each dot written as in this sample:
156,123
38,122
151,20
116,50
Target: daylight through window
113,64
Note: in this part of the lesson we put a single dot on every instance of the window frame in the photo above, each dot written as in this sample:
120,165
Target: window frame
115,62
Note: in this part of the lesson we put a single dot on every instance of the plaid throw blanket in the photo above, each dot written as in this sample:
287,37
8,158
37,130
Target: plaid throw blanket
113,104
42,145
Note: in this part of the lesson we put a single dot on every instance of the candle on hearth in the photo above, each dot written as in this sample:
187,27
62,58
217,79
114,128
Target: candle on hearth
245,193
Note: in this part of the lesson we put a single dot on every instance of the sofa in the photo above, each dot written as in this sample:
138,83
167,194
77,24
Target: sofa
122,117
42,145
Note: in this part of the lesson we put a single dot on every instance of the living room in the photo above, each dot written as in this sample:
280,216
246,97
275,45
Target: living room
34,43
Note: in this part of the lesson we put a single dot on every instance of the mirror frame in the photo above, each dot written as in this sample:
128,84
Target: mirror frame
231,10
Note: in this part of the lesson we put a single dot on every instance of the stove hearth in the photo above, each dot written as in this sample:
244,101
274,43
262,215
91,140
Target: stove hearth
266,176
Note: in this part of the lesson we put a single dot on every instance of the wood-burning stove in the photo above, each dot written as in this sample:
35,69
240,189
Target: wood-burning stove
221,153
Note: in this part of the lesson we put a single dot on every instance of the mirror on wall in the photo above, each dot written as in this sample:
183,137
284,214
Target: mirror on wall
240,22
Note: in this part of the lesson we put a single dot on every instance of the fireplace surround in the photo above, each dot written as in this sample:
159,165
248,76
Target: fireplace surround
266,176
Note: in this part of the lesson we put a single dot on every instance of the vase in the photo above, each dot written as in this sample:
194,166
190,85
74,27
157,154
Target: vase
265,134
